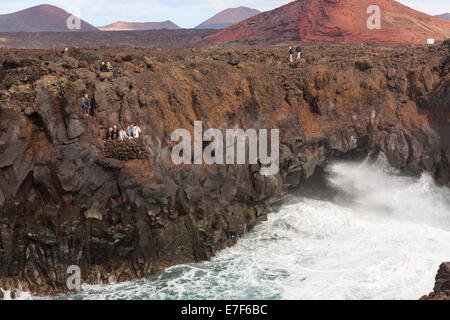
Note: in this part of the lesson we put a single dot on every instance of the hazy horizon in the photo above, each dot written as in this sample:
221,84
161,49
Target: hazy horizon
184,13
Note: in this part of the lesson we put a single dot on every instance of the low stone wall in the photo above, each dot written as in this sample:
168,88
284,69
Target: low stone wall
127,149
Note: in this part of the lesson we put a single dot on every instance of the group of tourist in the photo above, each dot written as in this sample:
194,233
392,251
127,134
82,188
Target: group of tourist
106,67
291,53
132,132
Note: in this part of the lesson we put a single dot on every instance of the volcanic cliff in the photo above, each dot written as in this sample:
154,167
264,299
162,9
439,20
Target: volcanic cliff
63,202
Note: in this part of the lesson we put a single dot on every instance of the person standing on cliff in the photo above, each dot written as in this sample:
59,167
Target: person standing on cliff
109,66
299,52
122,134
130,131
136,131
86,105
103,67
109,134
291,54
114,133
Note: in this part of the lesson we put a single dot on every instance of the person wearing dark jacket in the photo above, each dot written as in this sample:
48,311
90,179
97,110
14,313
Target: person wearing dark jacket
299,52
109,134
291,54
103,67
114,133
86,105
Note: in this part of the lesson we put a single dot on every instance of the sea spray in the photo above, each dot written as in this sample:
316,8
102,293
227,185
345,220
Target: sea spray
381,236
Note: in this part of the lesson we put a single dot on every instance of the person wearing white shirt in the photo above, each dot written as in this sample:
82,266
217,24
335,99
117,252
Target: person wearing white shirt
136,131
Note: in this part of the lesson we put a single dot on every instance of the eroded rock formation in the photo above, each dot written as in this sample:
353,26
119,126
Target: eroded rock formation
441,290
62,202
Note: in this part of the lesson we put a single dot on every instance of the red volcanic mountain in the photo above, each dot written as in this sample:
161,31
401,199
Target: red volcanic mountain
228,17
128,26
39,18
343,21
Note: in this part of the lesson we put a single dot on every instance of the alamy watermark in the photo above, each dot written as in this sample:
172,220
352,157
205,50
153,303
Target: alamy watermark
73,22
374,20
231,150
74,280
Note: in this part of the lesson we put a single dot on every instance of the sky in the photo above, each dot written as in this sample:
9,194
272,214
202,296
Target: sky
185,13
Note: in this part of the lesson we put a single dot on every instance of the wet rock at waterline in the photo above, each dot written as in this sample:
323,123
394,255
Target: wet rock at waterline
442,288
67,199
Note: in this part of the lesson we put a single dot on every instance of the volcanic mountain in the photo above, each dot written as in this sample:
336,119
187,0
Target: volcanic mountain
342,21
39,18
445,16
228,17
134,26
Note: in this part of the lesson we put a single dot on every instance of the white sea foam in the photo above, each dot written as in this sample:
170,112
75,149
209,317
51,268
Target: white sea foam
19,295
382,237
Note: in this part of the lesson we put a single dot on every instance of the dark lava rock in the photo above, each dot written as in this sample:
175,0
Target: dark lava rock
69,62
127,58
11,62
234,59
443,278
442,286
364,65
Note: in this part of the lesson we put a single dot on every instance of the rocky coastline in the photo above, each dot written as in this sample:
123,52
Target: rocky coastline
63,202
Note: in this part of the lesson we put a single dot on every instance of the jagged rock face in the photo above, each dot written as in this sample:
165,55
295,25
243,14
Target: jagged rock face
62,202
442,288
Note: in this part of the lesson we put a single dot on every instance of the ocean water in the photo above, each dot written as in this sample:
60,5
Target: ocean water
373,235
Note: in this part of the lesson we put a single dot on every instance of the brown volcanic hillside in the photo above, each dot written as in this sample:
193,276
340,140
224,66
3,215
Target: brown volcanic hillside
135,26
228,17
38,19
342,21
